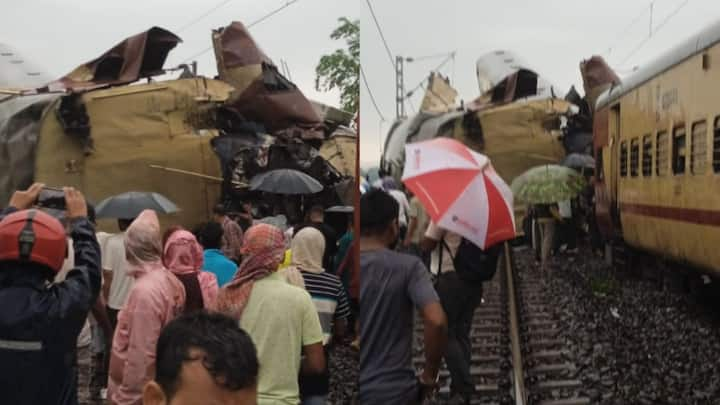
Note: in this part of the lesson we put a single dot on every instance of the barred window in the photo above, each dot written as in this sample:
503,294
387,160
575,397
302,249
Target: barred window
716,146
647,156
698,148
678,150
634,157
623,158
661,154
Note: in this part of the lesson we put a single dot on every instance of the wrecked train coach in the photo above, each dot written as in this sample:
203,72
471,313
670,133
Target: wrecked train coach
194,139
518,120
512,122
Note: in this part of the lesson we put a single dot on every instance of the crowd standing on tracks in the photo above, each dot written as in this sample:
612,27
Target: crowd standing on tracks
188,316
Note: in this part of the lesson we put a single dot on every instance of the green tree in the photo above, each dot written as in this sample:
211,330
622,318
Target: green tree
341,69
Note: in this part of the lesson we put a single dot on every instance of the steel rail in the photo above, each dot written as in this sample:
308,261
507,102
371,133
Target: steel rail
518,374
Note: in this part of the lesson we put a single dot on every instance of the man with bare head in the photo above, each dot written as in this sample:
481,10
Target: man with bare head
203,358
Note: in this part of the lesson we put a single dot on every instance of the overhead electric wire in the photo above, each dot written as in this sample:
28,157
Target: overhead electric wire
382,36
207,13
438,67
627,28
372,98
258,21
655,30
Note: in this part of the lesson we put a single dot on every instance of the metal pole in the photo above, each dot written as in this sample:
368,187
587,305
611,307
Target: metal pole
399,88
652,3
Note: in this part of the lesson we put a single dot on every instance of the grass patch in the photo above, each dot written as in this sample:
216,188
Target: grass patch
603,285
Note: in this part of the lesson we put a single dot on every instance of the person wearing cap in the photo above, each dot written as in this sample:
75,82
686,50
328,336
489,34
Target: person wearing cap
39,320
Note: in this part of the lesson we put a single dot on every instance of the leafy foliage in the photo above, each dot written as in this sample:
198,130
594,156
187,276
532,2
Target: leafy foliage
341,69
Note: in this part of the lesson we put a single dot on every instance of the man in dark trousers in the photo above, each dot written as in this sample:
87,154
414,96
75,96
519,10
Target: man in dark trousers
459,299
392,287
40,321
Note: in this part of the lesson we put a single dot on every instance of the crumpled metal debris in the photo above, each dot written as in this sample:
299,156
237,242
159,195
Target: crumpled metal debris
135,57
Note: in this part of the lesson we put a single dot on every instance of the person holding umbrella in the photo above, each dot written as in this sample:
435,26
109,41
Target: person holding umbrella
470,207
543,187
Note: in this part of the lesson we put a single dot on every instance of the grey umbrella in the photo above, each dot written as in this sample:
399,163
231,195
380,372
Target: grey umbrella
285,181
578,160
129,205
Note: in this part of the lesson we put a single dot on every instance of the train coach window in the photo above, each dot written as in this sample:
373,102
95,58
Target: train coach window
661,154
634,157
623,158
678,150
647,156
716,146
698,148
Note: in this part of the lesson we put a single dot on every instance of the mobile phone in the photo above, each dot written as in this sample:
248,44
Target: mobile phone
52,198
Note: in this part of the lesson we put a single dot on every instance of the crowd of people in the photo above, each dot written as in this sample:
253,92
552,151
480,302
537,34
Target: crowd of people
235,311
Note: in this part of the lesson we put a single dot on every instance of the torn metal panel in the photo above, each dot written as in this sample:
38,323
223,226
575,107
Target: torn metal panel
261,93
167,124
20,119
339,150
597,77
331,115
135,57
494,67
440,96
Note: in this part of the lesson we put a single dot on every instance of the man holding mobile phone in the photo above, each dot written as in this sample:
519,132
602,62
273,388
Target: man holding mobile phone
39,320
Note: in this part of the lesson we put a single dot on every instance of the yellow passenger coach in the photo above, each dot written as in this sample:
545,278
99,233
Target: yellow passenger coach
657,150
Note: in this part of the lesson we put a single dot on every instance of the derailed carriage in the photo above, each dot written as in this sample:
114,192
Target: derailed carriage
196,140
517,121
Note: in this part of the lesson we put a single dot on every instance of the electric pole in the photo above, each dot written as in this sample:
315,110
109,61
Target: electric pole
399,88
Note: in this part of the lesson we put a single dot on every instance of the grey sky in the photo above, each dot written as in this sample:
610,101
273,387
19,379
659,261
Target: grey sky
58,35
552,35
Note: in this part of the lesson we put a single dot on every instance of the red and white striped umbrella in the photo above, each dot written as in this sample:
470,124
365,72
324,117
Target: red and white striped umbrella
460,190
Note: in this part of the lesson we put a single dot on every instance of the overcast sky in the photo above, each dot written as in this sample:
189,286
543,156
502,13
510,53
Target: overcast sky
553,36
58,35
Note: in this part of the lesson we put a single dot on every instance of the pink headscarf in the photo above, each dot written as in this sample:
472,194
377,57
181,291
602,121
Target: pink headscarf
143,244
263,250
184,256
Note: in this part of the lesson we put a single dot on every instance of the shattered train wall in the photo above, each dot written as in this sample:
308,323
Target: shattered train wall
133,127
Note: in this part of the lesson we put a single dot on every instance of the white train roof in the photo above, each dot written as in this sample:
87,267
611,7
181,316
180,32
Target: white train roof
676,55
495,66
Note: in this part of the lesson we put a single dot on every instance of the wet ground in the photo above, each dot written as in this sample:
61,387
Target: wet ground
639,343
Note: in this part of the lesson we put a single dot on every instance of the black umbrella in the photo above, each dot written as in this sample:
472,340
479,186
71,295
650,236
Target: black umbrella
129,205
285,181
578,161
344,209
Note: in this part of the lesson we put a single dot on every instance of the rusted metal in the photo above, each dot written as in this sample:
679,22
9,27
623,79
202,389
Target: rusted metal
518,380
135,57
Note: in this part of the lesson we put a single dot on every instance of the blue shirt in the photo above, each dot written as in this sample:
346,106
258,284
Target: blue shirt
223,268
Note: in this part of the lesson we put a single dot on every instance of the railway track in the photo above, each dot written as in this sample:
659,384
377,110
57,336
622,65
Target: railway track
518,352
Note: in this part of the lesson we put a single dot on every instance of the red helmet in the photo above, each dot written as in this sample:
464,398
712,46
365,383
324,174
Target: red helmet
34,236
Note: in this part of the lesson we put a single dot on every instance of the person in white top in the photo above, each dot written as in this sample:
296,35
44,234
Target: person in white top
117,282
390,186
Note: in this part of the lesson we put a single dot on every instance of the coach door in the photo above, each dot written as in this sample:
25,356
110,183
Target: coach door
615,164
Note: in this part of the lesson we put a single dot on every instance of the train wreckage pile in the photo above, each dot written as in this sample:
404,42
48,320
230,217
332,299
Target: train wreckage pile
193,138
518,120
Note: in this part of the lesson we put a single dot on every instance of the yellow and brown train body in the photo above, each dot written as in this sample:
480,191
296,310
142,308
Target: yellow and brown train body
657,150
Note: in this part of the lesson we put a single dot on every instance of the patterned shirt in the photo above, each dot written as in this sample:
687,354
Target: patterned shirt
329,297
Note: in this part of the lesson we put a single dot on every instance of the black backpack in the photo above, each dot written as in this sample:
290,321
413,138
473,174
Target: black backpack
473,264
